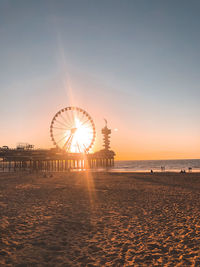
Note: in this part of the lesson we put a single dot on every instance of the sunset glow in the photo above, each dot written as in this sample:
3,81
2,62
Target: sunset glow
82,137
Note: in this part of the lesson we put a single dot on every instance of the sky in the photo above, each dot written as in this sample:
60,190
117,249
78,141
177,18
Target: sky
134,62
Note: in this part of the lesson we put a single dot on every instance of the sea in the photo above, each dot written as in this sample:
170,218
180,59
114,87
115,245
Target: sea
187,165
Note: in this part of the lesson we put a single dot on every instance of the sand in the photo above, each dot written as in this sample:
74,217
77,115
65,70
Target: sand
100,219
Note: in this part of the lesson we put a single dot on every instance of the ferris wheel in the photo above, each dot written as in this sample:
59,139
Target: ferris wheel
73,130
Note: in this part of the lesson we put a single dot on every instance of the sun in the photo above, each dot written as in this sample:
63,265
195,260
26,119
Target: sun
81,136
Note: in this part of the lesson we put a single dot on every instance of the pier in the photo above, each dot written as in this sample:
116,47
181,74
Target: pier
52,160
72,141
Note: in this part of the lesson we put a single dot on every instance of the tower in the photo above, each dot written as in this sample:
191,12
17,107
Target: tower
106,136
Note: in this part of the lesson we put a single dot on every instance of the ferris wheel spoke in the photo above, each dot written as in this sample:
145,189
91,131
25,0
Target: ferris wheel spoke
61,123
68,116
65,121
62,138
56,134
77,144
71,120
70,143
73,117
84,122
85,149
77,114
69,140
59,128
80,116
65,144
88,127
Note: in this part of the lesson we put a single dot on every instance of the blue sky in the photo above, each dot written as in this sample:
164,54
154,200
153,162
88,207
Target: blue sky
134,62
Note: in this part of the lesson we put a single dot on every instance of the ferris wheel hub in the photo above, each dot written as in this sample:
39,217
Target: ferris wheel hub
73,130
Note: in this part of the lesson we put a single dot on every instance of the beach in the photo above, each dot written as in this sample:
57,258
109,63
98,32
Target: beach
100,219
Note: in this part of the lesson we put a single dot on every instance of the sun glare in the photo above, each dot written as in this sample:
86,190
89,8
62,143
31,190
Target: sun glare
81,137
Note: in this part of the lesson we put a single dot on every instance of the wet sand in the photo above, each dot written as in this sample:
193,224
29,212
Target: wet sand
100,219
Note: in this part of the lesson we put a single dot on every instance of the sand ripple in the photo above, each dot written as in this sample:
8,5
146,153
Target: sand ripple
100,219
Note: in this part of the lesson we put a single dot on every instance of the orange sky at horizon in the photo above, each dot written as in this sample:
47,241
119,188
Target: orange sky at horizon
133,140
